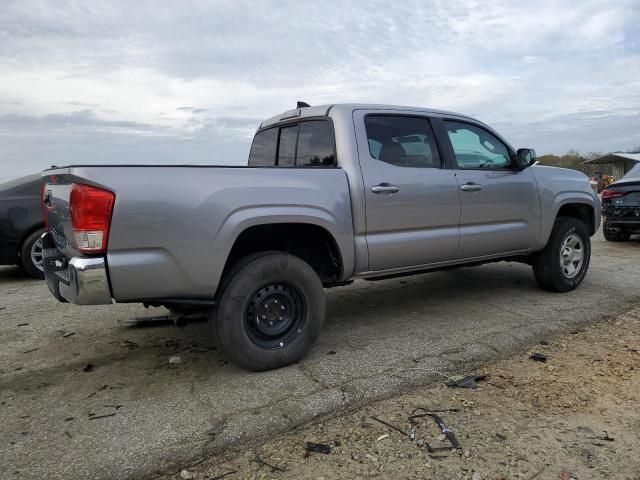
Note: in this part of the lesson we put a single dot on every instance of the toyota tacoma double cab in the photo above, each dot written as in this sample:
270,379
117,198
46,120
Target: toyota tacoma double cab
331,194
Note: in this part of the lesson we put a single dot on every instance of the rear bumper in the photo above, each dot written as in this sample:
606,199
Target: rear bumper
78,280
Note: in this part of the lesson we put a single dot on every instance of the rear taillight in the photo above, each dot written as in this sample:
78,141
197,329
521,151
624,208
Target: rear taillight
612,194
91,209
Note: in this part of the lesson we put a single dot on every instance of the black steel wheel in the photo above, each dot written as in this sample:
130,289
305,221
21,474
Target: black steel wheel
269,312
275,315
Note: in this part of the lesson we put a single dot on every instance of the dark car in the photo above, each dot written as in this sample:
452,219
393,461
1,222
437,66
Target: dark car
621,207
22,224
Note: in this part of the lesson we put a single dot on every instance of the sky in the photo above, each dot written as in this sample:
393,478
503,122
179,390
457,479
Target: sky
189,81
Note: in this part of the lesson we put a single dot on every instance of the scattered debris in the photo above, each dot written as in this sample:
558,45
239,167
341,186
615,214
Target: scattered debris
95,417
382,437
397,429
538,357
129,344
23,324
222,475
262,463
67,335
32,350
567,476
447,432
68,419
175,359
103,387
606,437
317,448
470,381
117,407
187,475
331,352
89,367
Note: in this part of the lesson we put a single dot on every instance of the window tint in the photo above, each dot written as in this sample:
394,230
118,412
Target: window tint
402,141
475,147
263,148
311,142
287,146
315,144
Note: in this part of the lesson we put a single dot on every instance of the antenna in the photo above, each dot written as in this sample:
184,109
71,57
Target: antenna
302,104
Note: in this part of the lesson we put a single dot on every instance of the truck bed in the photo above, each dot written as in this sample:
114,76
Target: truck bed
178,223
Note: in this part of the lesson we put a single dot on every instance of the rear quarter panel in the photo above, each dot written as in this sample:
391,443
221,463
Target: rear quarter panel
173,227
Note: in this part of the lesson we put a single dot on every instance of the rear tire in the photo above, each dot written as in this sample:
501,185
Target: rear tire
563,263
31,254
612,235
270,311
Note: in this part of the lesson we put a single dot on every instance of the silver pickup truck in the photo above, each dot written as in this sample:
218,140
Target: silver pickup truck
331,194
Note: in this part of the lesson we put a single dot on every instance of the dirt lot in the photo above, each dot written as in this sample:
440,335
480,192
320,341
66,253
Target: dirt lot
574,416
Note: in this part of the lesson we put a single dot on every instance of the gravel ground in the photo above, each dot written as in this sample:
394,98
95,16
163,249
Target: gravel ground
134,413
574,416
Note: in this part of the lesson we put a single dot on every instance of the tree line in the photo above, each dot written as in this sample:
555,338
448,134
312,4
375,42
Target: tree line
573,159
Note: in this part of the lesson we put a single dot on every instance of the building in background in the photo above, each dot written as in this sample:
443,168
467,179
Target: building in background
612,164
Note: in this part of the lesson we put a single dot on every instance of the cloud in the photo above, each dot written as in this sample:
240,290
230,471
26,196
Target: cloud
157,81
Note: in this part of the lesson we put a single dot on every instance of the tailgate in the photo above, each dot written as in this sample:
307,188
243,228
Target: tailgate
55,199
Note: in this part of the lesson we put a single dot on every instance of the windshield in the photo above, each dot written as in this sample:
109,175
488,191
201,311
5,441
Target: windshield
634,172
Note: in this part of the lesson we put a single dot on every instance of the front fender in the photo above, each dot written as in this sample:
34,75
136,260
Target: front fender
550,212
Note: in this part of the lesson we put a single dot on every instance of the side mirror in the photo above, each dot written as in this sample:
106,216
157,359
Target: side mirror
525,158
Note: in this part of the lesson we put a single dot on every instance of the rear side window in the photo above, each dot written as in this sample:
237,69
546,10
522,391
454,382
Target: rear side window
263,148
402,141
315,144
306,144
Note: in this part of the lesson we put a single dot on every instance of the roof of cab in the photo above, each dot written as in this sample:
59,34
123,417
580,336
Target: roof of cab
323,110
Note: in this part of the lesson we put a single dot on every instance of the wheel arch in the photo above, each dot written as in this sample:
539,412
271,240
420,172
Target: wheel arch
574,207
309,239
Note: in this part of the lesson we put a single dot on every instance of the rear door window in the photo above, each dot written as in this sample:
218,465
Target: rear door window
263,148
315,144
403,141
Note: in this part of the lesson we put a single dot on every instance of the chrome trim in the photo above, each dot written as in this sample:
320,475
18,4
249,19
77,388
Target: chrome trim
88,284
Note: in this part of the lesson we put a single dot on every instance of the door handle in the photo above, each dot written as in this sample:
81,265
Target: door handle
385,188
471,187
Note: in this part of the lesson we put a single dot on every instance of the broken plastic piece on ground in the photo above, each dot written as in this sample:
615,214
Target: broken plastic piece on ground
175,359
88,367
448,433
538,357
318,448
470,381
606,437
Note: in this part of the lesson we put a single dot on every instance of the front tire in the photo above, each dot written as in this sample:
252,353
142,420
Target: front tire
563,263
31,255
270,312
